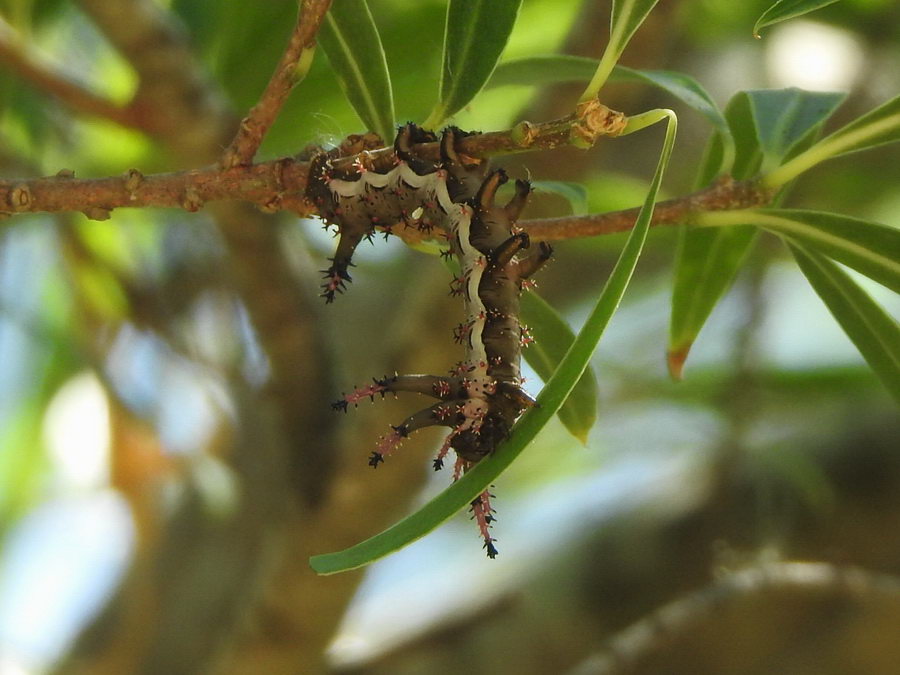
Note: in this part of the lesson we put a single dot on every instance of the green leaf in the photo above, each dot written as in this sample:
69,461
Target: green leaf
874,332
869,248
551,398
552,339
351,41
878,127
706,264
545,69
708,260
575,193
783,117
767,125
625,19
475,35
787,9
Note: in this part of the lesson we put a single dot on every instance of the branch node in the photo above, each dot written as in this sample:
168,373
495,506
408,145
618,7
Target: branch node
191,200
20,198
273,205
65,173
524,134
97,213
133,179
592,120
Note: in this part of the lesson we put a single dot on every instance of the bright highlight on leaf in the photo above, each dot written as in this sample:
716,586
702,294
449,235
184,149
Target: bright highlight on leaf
551,398
350,39
787,9
475,34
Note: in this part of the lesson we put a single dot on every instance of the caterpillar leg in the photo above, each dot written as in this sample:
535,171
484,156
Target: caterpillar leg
531,265
501,255
488,190
337,275
443,388
440,414
515,205
483,515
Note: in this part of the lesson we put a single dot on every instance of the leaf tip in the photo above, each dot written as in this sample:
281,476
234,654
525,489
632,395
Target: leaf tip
675,359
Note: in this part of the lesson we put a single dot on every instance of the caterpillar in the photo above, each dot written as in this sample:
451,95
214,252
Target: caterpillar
482,397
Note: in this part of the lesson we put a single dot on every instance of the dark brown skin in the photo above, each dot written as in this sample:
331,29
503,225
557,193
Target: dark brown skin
479,403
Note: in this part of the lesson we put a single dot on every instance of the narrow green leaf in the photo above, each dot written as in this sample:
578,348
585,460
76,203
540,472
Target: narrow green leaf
575,193
707,261
705,267
766,126
475,35
555,392
552,339
350,39
878,127
625,19
874,332
869,248
787,9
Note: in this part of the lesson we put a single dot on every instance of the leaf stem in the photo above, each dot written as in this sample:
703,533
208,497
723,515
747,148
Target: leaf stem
827,148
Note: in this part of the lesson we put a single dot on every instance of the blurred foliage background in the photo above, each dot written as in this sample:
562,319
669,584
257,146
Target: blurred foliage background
168,459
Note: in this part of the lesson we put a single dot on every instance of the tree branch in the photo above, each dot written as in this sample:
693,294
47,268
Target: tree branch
280,185
23,59
723,195
627,648
290,70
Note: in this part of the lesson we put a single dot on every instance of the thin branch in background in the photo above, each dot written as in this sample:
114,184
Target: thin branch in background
20,57
290,70
664,626
176,99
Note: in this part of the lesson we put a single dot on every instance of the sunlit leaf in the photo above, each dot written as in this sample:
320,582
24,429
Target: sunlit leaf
552,339
787,9
554,393
874,332
475,35
349,37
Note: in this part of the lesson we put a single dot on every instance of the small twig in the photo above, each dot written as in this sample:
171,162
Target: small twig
290,70
20,57
654,632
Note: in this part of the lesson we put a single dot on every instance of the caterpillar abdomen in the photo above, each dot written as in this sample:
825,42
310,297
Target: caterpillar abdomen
482,397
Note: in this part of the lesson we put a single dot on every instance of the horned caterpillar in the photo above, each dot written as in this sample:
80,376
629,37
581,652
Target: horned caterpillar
482,397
